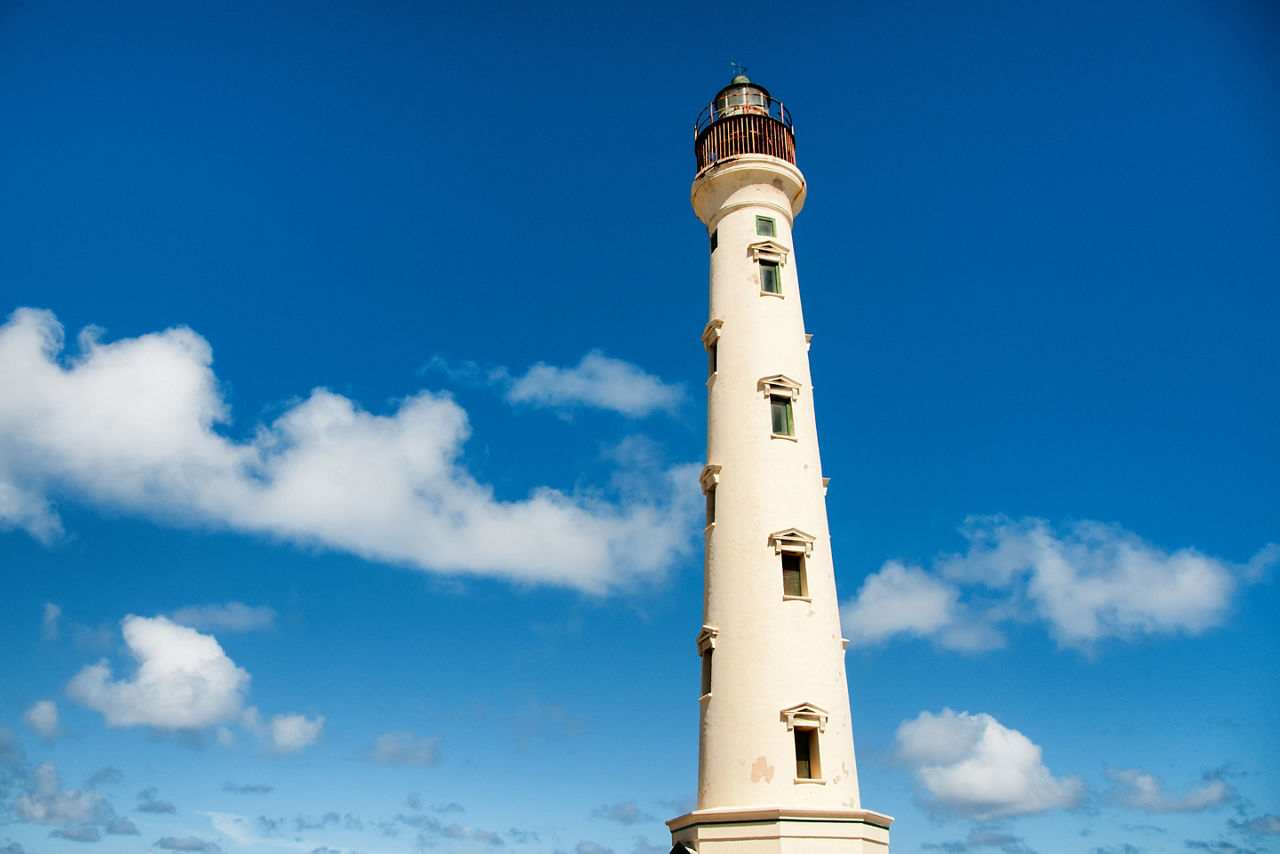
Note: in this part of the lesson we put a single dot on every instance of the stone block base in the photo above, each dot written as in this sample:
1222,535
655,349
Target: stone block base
774,830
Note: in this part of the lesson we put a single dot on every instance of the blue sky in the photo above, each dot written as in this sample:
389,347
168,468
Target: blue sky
351,410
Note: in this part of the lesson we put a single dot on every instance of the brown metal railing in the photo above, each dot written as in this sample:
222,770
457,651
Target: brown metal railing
744,133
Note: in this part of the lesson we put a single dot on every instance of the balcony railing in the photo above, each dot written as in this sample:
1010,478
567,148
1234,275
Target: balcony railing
745,121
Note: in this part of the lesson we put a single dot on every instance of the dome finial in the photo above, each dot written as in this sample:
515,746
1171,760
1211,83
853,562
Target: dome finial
739,73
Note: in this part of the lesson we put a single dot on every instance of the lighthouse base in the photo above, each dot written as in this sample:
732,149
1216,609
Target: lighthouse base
775,830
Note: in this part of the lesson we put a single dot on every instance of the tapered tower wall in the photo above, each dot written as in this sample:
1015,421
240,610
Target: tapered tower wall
776,653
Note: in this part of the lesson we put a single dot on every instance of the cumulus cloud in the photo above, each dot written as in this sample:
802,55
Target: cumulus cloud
971,765
42,718
107,775
122,827
907,600
49,629
78,833
183,679
403,748
283,733
148,802
1086,582
586,846
47,802
229,616
134,424
626,812
1141,791
597,381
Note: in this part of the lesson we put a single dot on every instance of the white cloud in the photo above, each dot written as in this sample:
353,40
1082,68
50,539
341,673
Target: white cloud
1088,582
974,766
1140,791
907,600
597,381
133,424
42,717
230,616
46,802
402,748
283,733
183,679
49,629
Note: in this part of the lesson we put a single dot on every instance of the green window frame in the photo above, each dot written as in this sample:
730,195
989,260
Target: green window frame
770,278
780,416
766,226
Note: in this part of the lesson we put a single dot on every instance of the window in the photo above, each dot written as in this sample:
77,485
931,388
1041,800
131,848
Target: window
711,338
706,649
793,548
770,281
765,227
780,391
715,239
780,411
709,479
793,580
807,765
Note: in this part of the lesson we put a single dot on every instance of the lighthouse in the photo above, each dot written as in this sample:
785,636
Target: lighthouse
776,767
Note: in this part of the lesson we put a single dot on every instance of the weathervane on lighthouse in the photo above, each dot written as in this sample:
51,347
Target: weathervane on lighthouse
776,768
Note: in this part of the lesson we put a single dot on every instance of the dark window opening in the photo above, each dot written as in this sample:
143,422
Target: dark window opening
780,411
793,574
711,506
807,767
711,358
706,671
715,239
770,283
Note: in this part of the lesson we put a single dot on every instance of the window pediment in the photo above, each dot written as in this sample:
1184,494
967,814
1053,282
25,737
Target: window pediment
709,478
711,333
779,385
792,540
805,714
769,250
707,638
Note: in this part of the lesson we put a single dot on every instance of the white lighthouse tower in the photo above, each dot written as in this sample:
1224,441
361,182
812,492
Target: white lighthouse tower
776,769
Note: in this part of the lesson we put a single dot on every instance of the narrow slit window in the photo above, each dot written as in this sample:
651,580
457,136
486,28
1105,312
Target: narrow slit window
715,239
793,580
770,282
765,227
780,411
807,767
711,359
706,670
711,507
